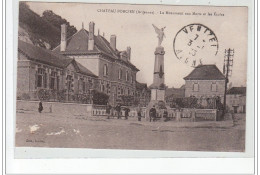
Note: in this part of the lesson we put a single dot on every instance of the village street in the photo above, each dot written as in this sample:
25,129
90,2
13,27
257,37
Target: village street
50,130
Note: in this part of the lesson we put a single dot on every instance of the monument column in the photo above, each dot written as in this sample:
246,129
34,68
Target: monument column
158,86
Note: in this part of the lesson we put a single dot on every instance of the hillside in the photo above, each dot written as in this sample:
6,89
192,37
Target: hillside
41,31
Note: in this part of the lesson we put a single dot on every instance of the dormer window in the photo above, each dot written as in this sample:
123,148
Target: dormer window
105,70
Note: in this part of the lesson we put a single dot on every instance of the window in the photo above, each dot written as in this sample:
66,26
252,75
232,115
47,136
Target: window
132,79
83,87
90,83
69,82
40,77
196,87
120,73
103,87
126,76
105,70
45,80
119,90
214,87
58,83
52,79
108,88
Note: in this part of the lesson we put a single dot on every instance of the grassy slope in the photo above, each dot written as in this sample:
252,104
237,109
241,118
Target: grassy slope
40,30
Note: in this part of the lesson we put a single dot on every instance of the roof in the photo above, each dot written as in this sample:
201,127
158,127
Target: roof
237,90
45,56
84,70
78,44
205,72
140,86
48,57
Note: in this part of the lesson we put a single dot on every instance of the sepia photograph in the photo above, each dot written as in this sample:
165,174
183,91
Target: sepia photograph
131,76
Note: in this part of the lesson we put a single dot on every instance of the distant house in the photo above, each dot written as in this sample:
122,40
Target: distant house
116,73
40,68
236,99
205,81
174,93
142,94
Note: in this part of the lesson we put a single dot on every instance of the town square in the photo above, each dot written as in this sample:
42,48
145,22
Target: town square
98,81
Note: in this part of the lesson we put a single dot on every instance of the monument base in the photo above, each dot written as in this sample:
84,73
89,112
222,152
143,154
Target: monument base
158,94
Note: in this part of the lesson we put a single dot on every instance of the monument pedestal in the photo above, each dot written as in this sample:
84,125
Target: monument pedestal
157,94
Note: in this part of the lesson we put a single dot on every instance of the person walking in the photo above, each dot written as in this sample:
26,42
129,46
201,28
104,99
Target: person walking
139,112
118,110
165,115
152,113
40,107
127,110
108,110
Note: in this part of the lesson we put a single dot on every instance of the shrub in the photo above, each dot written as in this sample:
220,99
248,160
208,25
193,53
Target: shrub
61,95
127,100
193,102
25,96
100,98
43,94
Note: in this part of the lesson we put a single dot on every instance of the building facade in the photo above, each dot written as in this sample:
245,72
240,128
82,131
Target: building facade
205,81
115,73
41,69
236,99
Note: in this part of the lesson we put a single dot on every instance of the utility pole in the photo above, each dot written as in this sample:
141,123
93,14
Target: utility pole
228,63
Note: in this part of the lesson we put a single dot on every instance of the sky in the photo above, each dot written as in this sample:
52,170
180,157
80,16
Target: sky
135,29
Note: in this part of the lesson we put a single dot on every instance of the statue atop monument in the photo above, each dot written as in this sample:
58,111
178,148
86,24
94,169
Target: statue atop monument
160,33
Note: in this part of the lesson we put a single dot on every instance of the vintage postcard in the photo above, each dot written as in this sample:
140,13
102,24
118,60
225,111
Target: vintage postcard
132,77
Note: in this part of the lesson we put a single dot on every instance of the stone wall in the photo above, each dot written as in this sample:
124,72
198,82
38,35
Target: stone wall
56,107
75,109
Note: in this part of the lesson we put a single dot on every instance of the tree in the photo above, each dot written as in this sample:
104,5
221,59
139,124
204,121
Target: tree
45,29
57,21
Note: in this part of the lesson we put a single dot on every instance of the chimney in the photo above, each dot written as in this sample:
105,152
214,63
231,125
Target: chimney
91,35
128,51
113,42
63,38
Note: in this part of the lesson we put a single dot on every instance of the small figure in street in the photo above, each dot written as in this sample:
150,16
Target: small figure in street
50,108
165,115
108,110
40,107
152,113
127,110
118,110
139,112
